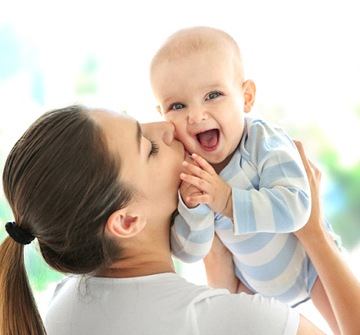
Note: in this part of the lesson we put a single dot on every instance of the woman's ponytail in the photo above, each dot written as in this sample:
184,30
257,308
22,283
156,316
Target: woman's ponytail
19,314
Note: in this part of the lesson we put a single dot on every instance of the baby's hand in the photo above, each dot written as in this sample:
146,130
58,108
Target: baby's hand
188,192
211,189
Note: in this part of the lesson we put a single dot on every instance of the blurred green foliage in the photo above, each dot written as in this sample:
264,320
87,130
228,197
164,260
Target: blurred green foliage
342,199
86,81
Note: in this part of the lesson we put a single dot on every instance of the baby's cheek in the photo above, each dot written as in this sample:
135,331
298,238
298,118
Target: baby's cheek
181,135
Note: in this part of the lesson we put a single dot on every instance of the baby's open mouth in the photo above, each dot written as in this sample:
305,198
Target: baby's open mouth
208,139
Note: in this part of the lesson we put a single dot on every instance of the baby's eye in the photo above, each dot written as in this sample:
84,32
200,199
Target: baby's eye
154,148
177,106
212,95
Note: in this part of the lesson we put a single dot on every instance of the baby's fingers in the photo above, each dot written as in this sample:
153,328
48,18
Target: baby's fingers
195,170
197,199
203,164
200,168
199,183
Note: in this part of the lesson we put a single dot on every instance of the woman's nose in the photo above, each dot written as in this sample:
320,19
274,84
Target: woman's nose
163,131
168,130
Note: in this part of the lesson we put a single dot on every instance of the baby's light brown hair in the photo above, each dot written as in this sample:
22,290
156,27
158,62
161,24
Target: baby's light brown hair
194,40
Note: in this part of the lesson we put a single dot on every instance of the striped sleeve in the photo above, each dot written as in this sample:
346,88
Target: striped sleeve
279,201
192,232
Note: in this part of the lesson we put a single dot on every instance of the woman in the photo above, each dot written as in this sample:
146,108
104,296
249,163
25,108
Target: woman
98,192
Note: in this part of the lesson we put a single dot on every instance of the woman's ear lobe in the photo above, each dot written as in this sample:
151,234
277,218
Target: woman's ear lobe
121,224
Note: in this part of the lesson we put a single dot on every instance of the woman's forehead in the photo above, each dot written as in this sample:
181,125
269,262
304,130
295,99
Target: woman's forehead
107,113
119,128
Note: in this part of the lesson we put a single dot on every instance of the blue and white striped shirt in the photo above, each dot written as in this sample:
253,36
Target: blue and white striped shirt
271,199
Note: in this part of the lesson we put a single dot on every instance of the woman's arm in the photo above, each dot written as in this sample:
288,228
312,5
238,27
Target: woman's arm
340,283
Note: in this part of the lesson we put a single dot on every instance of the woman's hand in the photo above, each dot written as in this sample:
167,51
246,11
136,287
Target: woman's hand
314,225
341,285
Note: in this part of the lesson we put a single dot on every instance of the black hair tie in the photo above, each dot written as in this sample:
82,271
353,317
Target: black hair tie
18,234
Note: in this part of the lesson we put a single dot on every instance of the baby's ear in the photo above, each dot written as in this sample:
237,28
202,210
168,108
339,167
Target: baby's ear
124,225
159,110
249,90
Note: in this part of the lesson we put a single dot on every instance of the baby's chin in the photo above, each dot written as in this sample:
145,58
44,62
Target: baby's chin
212,157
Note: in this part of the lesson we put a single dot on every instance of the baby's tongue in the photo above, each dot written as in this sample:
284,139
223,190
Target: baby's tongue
208,138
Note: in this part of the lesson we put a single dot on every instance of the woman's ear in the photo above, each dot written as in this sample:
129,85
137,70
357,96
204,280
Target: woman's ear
249,90
124,225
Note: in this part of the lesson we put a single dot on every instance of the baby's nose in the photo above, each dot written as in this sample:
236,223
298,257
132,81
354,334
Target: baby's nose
196,115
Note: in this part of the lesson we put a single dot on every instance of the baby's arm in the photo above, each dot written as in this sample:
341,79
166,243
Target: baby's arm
218,261
192,232
280,199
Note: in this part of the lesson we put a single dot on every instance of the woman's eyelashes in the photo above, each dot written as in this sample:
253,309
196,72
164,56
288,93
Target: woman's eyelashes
154,149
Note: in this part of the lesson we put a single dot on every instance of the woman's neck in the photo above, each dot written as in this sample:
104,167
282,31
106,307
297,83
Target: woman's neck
145,254
137,267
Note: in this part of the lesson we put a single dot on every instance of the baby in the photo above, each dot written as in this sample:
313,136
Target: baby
247,183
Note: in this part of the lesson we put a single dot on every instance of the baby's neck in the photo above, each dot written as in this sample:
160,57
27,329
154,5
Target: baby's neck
220,166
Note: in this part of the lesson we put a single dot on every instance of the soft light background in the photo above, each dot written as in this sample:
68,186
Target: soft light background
304,57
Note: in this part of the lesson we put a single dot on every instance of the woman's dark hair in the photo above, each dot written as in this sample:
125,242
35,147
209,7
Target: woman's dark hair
62,184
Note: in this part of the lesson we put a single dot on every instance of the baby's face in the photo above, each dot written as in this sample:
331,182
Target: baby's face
204,98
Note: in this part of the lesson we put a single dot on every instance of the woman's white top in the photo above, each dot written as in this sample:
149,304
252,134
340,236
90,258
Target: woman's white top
161,304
